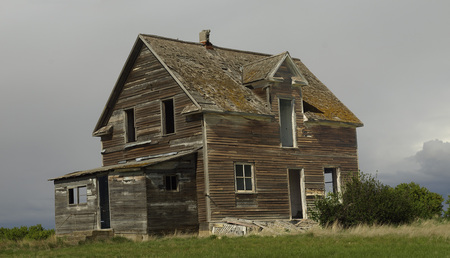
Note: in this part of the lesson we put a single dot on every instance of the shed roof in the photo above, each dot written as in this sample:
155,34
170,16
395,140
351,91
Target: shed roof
148,161
213,79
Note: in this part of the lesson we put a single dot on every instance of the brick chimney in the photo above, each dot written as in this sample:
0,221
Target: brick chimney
204,39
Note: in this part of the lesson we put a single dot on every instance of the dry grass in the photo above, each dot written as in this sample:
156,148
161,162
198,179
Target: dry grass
428,228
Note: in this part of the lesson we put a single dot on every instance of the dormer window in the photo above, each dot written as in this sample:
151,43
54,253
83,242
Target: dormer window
287,122
130,128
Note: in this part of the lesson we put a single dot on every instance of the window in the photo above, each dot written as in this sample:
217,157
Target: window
171,183
78,195
130,129
287,123
332,180
244,177
168,116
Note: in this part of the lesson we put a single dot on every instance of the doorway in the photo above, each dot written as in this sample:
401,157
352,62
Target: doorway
103,193
297,197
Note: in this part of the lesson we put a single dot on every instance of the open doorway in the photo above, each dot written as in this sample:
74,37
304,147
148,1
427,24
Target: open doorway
297,197
103,193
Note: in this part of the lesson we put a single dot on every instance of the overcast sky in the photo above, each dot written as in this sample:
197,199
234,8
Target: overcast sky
388,61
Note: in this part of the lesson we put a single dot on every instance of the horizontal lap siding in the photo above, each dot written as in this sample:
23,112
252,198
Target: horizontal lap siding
233,138
148,83
69,218
172,211
127,193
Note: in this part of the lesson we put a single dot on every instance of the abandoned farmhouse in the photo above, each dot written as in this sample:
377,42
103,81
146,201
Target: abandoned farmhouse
193,133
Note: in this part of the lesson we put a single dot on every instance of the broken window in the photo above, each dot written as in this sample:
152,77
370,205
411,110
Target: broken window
332,180
287,123
130,129
168,116
171,183
244,177
78,195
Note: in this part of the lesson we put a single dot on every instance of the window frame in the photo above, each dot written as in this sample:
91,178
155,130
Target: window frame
177,183
293,121
74,196
243,177
130,138
164,120
335,177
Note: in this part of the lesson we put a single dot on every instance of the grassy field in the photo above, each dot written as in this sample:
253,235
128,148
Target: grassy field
426,239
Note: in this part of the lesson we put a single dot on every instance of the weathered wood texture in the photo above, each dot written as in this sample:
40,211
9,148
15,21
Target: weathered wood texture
233,138
147,84
128,202
71,217
172,211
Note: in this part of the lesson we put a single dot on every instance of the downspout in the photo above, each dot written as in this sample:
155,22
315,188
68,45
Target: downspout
206,170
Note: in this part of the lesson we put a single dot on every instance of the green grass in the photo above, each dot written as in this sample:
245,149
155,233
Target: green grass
420,240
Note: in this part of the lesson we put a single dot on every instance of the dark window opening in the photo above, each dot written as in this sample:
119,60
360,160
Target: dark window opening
244,177
130,129
171,183
310,108
168,116
286,123
78,195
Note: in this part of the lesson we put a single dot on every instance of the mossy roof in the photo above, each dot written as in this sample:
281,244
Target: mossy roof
213,78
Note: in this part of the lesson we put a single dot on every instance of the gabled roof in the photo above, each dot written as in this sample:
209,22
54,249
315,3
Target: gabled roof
266,69
213,79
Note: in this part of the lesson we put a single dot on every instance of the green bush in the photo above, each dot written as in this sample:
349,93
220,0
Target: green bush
426,204
364,201
36,232
447,213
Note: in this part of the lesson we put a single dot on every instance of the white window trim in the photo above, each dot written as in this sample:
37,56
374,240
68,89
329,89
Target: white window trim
76,192
294,121
252,165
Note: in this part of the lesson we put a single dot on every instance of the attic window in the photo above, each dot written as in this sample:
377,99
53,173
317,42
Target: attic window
130,129
168,116
77,195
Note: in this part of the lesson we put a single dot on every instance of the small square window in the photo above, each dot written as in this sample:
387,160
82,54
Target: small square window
77,195
171,183
244,177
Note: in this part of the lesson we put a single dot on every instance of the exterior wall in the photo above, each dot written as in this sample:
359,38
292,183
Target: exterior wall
256,140
172,211
71,217
128,205
147,84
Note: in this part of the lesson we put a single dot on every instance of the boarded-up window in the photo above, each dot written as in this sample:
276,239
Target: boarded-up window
168,116
287,122
244,176
77,195
171,183
130,128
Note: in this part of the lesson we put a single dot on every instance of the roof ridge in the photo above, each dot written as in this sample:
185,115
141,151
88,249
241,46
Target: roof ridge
265,58
215,46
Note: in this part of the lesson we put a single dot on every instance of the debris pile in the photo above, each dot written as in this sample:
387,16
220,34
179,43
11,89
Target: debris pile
240,227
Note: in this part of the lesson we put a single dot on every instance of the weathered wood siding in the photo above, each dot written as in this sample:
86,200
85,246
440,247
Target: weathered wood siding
74,217
172,211
256,140
147,84
128,202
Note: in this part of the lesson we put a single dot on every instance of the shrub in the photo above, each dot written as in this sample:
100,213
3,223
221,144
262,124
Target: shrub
426,204
364,201
36,232
447,213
